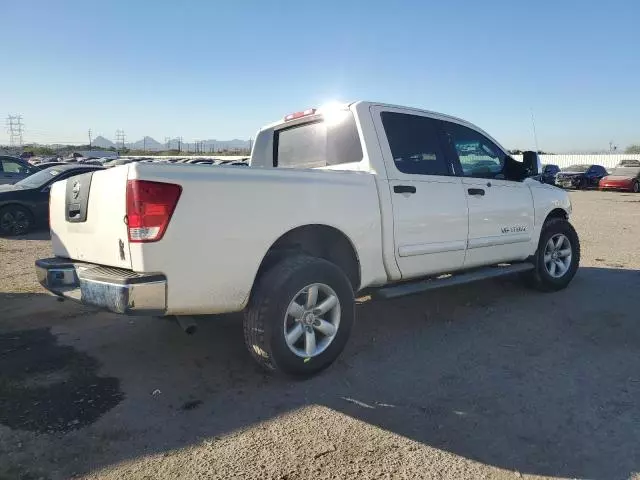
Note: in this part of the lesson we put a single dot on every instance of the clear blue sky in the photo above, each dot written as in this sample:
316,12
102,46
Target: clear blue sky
221,69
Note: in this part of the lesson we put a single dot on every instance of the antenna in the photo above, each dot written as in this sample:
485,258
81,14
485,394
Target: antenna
535,135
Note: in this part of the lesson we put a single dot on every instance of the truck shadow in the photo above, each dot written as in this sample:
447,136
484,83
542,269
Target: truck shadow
544,384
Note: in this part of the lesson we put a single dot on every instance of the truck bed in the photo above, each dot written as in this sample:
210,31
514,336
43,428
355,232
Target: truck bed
224,223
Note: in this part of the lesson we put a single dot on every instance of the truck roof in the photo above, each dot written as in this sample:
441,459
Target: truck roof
367,104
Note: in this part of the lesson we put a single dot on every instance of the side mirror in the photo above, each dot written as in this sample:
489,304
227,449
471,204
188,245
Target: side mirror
46,189
531,163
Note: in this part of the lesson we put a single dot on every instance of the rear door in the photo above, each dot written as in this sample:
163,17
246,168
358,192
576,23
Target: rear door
87,216
501,212
429,205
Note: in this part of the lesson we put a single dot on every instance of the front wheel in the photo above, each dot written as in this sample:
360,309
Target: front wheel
558,256
299,316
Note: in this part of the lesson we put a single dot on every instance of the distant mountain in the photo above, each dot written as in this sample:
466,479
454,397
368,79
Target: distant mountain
147,143
102,142
151,144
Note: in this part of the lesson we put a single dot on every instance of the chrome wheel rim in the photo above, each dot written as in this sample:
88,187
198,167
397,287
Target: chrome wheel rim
312,320
557,255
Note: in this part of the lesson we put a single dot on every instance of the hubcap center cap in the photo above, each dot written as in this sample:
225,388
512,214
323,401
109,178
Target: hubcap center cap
308,318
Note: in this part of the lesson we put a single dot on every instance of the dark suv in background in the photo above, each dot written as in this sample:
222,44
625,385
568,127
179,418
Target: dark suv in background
549,173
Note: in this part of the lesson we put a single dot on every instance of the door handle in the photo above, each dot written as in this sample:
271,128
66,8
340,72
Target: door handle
476,191
404,189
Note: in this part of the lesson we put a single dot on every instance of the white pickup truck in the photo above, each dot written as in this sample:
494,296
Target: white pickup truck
344,199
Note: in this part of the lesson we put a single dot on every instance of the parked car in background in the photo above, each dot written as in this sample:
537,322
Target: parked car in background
549,173
25,205
117,162
629,163
580,176
14,169
622,178
44,165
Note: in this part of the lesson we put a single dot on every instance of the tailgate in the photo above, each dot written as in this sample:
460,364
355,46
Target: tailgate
87,218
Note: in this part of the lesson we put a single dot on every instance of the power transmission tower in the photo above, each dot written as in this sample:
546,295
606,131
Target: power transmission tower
167,141
120,137
15,129
89,139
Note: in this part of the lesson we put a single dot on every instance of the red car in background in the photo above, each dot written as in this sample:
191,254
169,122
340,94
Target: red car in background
622,177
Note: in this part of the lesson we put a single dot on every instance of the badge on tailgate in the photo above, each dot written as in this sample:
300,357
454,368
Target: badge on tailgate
77,197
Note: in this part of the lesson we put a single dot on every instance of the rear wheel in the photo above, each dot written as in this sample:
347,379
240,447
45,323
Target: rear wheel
299,316
558,256
15,220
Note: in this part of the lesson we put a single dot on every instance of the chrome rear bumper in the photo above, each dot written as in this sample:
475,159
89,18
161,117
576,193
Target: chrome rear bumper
116,289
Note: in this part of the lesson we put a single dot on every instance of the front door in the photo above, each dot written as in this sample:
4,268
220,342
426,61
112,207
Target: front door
429,204
501,212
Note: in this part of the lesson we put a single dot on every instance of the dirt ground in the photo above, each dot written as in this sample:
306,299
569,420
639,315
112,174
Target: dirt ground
490,380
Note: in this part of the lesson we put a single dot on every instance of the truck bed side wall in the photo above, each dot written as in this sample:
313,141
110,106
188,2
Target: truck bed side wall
228,217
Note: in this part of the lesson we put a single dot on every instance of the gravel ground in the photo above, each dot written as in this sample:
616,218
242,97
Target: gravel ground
489,380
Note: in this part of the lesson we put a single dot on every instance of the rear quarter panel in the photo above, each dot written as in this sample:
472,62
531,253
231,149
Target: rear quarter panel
227,218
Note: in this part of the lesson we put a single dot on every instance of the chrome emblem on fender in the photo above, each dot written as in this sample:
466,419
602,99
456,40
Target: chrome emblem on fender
76,190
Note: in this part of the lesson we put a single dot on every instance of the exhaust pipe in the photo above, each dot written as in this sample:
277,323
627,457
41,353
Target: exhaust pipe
187,324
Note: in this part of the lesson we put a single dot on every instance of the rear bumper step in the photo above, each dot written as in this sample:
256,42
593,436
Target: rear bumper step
423,285
116,289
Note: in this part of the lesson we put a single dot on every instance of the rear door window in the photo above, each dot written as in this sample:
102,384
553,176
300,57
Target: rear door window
318,144
415,144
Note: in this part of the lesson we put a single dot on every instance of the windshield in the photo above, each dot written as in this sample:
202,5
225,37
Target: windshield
40,178
576,168
626,171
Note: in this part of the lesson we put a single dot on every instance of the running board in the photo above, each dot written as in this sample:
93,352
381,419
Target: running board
450,280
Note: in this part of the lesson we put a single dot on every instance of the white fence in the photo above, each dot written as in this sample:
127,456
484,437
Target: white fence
607,161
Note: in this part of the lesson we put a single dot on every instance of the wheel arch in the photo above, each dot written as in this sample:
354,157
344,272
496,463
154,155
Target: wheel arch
557,213
316,240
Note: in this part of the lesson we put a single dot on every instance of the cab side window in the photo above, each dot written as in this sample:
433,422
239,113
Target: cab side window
479,156
415,144
9,166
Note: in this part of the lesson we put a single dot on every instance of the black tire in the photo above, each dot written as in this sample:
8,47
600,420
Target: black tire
635,188
540,278
15,220
264,320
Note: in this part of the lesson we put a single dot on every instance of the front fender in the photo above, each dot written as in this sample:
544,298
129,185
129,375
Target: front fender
546,200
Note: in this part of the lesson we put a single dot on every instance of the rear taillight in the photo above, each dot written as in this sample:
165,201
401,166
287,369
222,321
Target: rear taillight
149,209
